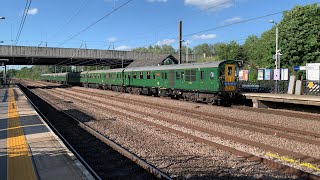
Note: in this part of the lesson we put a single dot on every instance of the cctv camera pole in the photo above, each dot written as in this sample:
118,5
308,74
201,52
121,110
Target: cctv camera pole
277,60
180,42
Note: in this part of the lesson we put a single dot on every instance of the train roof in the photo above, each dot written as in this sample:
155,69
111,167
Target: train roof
177,66
150,68
104,71
54,74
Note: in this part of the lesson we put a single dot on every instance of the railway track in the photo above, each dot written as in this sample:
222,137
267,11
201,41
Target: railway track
216,118
77,94
249,109
107,159
282,113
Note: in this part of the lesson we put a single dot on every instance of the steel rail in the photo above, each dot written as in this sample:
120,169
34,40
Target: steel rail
150,168
87,166
210,117
198,128
249,156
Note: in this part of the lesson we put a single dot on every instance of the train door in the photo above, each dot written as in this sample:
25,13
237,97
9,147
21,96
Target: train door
229,80
171,78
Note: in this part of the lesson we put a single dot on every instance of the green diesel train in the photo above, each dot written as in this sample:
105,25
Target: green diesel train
213,82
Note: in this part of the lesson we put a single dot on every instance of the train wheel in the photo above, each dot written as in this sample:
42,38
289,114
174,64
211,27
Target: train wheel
192,98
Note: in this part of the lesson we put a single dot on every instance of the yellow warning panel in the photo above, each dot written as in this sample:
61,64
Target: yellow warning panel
310,85
19,159
292,161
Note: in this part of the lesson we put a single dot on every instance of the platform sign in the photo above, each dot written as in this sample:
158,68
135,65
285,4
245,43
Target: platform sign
284,74
260,74
267,74
243,75
240,75
299,68
276,74
313,71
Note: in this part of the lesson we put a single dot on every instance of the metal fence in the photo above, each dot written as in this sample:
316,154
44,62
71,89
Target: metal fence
311,88
308,87
263,86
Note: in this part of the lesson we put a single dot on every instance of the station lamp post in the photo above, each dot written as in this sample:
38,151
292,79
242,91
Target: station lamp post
277,55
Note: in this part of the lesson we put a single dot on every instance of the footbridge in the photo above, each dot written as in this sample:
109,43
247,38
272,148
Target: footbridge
28,55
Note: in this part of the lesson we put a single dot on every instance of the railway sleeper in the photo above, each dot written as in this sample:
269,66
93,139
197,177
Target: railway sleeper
214,99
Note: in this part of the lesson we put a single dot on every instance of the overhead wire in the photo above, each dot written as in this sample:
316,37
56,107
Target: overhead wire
181,18
70,20
223,26
23,20
94,23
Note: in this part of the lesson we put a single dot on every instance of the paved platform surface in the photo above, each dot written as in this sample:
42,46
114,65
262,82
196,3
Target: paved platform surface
28,147
284,98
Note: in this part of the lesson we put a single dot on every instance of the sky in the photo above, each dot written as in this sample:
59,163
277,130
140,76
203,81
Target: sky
139,23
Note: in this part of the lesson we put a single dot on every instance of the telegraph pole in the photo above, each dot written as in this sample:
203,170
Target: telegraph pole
180,42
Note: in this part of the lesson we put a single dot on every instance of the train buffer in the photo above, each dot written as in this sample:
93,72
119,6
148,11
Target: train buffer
264,100
28,147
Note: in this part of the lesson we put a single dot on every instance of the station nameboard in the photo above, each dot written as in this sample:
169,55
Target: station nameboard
313,71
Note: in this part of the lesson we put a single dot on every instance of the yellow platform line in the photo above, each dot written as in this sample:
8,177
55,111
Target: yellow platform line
19,159
292,161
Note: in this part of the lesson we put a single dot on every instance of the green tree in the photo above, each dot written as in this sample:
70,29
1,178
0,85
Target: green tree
298,40
202,49
167,49
228,51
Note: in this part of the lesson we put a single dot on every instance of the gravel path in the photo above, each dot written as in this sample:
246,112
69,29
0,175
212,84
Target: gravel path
173,154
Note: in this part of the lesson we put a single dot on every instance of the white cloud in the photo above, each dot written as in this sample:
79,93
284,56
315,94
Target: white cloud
157,0
33,11
233,19
123,48
212,4
204,36
166,42
112,39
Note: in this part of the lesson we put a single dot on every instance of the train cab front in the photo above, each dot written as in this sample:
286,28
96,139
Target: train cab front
228,81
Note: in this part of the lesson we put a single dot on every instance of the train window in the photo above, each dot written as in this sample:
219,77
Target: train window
201,75
191,75
141,75
107,76
134,75
165,76
148,75
125,76
182,75
128,75
154,76
211,75
117,76
178,75
229,71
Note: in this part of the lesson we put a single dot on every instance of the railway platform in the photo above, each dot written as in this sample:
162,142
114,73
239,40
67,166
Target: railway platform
28,147
264,100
